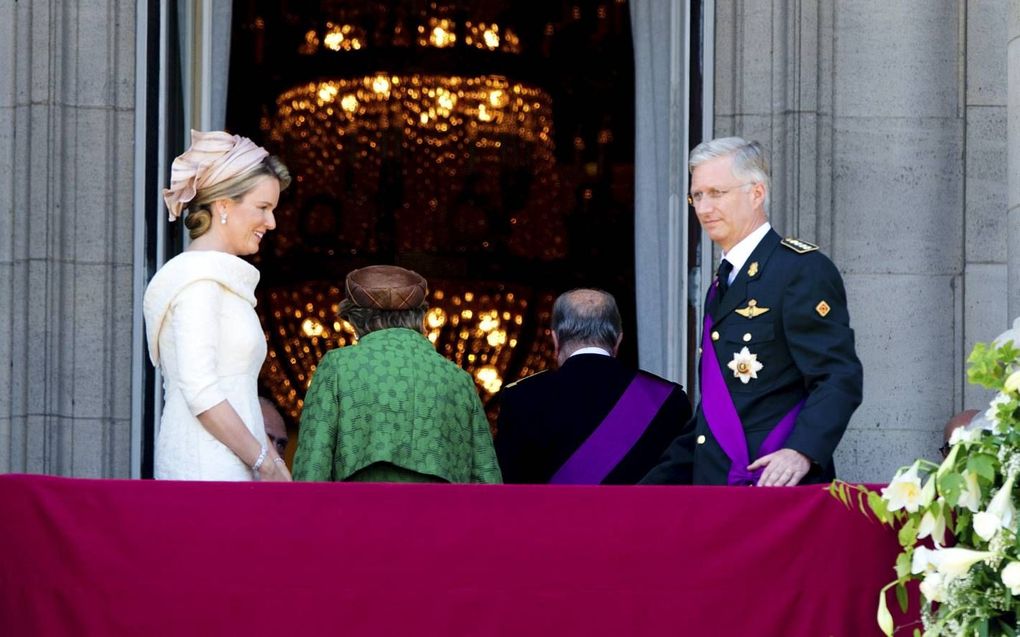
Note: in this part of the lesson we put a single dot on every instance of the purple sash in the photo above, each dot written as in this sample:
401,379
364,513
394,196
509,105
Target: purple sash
617,433
723,419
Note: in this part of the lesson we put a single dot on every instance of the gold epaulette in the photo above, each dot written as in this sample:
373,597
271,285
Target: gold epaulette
798,246
525,378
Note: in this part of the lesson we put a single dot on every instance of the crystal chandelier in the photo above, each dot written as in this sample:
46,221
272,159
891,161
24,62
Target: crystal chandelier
409,147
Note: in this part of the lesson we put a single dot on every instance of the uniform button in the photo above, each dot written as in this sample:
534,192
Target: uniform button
701,439
715,336
699,351
747,337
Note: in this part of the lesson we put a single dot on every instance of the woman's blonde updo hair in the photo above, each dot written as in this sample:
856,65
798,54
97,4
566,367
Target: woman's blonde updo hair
199,217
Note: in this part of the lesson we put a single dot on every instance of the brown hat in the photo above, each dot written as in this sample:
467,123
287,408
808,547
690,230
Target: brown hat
386,287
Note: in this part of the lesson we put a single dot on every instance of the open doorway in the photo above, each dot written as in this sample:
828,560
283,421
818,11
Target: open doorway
487,145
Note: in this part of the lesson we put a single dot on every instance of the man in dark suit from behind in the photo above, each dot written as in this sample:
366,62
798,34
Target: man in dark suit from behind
590,421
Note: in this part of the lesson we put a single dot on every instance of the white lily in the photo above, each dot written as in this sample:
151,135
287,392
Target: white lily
928,492
933,588
999,514
904,492
970,497
950,460
921,561
1012,334
963,434
1011,577
956,561
933,525
1012,383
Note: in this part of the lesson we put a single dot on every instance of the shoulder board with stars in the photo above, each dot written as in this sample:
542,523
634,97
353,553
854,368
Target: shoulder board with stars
521,380
798,246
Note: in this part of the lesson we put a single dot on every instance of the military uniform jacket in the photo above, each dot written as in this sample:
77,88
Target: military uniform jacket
800,332
393,399
544,418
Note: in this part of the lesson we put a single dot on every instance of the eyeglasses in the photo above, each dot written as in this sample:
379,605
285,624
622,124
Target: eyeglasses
713,194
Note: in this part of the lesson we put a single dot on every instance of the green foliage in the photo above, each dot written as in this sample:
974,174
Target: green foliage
901,597
903,564
983,465
951,485
987,365
908,532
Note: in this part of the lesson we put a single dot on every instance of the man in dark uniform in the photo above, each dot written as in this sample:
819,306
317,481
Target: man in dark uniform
779,374
593,420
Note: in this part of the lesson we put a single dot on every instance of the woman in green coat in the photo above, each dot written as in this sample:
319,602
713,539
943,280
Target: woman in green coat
390,408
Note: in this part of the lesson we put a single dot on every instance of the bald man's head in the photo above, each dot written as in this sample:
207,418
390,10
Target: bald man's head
585,317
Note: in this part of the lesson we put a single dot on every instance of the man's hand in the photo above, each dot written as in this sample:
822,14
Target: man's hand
783,468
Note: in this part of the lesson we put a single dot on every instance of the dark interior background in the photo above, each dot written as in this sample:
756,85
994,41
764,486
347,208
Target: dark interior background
498,234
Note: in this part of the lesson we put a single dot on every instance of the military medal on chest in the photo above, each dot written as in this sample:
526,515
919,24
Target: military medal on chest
745,365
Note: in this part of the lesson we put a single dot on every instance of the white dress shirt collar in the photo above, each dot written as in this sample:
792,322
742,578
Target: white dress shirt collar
591,350
740,253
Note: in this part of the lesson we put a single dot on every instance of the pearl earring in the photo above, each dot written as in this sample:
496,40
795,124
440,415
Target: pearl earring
223,218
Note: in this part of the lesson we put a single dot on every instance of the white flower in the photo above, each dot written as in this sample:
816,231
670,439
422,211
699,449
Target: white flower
933,587
993,407
970,497
986,525
934,525
745,365
1013,382
963,434
949,463
904,492
928,492
980,423
921,561
1012,334
957,561
999,514
1011,577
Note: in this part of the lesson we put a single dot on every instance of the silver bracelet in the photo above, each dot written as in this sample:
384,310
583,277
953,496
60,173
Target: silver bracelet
258,463
280,461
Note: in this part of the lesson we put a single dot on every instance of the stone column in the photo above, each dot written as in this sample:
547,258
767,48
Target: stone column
986,248
861,106
774,84
898,220
66,174
1013,171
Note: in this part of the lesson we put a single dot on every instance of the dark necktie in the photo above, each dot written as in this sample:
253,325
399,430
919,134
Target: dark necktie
723,277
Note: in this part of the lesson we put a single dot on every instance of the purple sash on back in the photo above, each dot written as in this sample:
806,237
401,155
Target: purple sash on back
723,419
617,433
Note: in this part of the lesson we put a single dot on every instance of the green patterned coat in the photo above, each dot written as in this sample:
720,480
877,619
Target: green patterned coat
393,399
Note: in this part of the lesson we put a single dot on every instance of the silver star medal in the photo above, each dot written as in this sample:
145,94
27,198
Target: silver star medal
745,365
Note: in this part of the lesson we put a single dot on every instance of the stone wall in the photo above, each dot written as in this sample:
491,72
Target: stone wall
1013,165
986,249
887,127
67,87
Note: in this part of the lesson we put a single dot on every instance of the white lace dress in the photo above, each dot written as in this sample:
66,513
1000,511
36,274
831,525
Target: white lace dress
204,335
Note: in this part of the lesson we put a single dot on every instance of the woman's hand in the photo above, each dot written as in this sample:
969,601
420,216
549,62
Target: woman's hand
274,469
226,425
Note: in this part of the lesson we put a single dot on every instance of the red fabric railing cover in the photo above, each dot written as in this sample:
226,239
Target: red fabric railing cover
119,557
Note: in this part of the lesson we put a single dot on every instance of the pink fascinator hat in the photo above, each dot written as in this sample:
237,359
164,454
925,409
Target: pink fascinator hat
213,157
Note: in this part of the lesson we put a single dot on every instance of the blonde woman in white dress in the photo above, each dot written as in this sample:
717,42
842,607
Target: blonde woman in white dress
203,332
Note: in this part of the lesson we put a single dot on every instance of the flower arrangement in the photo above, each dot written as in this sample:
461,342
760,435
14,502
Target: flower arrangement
957,521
